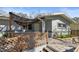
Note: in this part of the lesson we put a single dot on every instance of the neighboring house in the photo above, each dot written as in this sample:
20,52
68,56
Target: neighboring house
4,24
75,29
76,19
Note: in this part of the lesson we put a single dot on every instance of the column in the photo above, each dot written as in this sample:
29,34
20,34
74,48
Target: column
43,26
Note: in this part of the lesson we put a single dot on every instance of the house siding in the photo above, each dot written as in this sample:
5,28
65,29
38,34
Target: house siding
57,29
6,23
65,31
37,27
51,24
48,27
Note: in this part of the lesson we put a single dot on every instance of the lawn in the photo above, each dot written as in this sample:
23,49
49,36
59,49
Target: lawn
64,37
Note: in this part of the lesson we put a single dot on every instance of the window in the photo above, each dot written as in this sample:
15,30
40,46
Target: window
61,25
64,25
2,27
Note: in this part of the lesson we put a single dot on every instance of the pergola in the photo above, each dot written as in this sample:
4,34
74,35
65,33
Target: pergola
23,21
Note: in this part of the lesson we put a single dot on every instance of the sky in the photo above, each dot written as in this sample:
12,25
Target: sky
71,11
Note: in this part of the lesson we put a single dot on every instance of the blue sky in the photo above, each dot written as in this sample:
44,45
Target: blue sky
71,11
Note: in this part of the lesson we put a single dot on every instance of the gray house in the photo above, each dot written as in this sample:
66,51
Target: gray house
57,23
51,23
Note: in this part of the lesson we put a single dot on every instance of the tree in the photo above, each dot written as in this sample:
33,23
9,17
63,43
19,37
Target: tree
22,15
3,13
76,19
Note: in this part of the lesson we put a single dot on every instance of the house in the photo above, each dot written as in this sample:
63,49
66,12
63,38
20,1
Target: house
56,23
18,23
4,24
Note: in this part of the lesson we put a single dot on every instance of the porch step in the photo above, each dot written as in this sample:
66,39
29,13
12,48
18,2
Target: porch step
47,50
42,50
51,48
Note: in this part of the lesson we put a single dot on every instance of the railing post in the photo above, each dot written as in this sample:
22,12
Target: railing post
46,37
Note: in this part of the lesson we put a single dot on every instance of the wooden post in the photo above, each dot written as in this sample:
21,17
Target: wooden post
43,29
46,37
10,24
43,25
27,26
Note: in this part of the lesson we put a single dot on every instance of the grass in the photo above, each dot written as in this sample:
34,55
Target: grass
64,36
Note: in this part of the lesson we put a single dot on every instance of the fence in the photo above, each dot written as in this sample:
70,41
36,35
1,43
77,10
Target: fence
21,41
69,33
74,32
38,37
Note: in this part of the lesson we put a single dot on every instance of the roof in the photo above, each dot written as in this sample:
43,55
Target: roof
26,19
3,18
68,18
19,17
21,20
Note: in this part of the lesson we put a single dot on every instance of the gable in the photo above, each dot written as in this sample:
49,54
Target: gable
56,18
60,16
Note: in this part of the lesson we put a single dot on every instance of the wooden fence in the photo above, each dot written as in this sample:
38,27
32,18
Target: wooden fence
38,37
74,32
21,41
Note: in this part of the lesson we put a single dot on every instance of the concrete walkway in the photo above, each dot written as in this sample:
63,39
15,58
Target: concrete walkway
61,46
61,42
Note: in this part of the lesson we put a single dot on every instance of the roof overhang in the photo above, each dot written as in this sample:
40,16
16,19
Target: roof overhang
4,18
21,20
69,19
66,17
